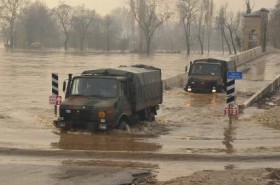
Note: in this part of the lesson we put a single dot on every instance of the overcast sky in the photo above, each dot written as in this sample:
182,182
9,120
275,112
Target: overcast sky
104,7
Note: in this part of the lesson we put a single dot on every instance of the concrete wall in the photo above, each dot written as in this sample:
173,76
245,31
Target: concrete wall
176,81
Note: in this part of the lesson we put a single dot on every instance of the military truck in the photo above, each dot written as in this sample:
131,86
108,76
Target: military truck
104,99
209,74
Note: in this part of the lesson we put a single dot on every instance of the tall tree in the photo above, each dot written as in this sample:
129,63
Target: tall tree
274,26
229,24
209,21
10,11
82,19
221,21
187,10
39,25
64,13
150,14
201,24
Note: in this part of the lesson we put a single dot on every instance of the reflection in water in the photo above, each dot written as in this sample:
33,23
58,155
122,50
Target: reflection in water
229,136
104,142
201,99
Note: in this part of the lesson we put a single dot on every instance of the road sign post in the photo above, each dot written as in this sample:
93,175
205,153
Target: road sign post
231,77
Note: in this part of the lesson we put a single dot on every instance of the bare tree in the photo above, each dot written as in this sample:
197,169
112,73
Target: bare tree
229,25
209,21
187,10
274,25
10,11
38,26
249,6
64,13
201,25
221,21
150,14
82,19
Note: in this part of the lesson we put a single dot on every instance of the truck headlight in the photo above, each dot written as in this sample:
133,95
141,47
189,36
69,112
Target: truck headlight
101,114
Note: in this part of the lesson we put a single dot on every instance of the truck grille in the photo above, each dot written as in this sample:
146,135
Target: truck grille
79,115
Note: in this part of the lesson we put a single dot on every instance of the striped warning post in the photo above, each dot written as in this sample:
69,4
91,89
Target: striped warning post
55,84
230,90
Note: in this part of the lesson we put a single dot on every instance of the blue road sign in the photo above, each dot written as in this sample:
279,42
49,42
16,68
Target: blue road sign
234,75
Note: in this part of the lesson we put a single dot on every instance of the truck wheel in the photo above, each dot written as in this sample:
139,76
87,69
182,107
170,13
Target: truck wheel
151,117
124,126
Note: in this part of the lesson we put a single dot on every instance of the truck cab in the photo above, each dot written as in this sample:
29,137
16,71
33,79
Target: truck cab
209,75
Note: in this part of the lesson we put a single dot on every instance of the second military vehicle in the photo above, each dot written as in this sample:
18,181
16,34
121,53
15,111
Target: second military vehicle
209,74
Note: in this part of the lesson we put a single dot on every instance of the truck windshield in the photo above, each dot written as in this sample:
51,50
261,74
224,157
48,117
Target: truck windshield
206,69
88,86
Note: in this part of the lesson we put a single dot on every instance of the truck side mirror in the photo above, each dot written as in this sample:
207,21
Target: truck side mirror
186,69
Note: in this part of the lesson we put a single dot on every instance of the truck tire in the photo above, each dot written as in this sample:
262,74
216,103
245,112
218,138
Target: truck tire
151,117
124,126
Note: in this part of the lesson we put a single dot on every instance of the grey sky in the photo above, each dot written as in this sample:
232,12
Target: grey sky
105,6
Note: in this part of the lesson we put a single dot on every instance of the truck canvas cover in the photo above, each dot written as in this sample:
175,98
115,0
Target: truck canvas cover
144,82
230,63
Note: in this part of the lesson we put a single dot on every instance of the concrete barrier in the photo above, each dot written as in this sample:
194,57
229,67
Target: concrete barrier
175,81
272,86
248,55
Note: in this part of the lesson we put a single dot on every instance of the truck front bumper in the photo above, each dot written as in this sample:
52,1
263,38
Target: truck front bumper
67,125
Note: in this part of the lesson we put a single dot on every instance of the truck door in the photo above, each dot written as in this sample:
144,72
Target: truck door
124,103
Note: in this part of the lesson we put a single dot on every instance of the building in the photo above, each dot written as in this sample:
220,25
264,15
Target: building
255,29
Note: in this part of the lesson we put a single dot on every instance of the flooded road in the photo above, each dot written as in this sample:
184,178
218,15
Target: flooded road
190,133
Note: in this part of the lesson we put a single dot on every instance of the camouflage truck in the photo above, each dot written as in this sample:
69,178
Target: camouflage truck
109,98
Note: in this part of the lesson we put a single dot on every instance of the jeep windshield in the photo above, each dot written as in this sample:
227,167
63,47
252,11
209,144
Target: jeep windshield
89,86
206,69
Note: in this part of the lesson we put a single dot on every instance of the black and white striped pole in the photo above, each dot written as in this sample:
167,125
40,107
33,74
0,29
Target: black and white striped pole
230,97
55,91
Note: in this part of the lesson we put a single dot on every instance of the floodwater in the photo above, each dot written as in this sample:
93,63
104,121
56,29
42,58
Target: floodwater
189,127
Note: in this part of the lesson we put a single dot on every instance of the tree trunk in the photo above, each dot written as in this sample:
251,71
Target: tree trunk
148,40
108,42
201,45
66,42
12,34
82,43
232,41
188,46
227,42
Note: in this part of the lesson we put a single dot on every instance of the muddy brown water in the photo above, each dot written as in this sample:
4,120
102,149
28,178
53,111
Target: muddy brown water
186,124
